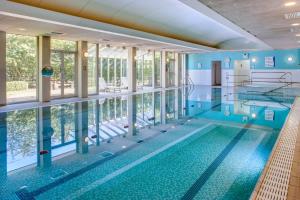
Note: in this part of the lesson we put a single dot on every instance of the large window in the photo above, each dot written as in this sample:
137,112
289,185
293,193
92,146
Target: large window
92,68
157,68
113,69
63,58
148,67
170,69
21,65
145,64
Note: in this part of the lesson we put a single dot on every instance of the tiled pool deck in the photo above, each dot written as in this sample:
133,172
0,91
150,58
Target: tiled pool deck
281,177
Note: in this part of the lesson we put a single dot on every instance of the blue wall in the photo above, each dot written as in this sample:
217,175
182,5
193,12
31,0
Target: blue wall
281,59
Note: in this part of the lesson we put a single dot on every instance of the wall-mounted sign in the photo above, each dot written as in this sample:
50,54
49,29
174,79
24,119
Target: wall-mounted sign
269,115
270,61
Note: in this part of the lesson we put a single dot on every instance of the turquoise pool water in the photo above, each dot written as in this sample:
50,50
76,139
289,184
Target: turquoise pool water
187,143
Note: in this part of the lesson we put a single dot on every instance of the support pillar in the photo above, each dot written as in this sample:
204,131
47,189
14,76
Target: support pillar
44,137
3,148
131,114
98,122
2,68
164,69
98,65
153,70
163,107
177,65
176,104
131,69
82,47
44,55
82,128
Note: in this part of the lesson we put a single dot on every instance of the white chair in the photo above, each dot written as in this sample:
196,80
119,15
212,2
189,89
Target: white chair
124,83
102,85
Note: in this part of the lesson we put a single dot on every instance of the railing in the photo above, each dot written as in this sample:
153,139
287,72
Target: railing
237,83
283,77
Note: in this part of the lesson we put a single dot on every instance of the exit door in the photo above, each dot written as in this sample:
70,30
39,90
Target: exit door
216,73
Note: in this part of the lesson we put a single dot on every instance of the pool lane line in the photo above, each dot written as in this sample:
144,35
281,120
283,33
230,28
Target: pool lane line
198,184
139,161
24,194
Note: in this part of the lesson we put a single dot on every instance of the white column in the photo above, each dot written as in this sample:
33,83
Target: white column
2,68
164,69
163,107
131,107
177,65
183,69
131,69
82,125
45,132
44,50
153,69
98,65
82,69
176,104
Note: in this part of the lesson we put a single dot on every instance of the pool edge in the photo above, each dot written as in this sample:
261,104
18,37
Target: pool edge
281,188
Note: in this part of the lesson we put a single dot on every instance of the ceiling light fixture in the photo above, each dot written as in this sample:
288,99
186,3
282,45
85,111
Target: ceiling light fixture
290,59
295,24
291,3
22,29
298,35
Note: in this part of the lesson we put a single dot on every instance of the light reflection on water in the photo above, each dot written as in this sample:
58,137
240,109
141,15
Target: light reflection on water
38,137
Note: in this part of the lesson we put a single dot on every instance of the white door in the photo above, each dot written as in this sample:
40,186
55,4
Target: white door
241,72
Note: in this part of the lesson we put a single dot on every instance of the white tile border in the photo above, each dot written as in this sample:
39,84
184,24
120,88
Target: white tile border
274,180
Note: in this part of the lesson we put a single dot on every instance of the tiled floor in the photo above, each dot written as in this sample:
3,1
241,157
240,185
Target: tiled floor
294,185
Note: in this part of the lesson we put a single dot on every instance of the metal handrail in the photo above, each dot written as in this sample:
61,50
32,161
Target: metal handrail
280,79
237,75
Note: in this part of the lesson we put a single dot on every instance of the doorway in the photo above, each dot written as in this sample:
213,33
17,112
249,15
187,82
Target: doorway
241,72
216,73
63,79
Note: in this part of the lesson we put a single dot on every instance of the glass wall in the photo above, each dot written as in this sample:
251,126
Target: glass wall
113,69
145,67
157,68
92,68
148,68
170,69
21,68
63,61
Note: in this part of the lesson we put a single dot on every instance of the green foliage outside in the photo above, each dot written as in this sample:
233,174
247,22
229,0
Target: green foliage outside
16,86
21,58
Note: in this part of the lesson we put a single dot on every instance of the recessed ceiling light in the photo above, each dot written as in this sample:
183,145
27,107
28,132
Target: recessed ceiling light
295,24
298,35
22,29
291,3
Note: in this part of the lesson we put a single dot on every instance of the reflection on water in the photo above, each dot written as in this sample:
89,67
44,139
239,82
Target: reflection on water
39,136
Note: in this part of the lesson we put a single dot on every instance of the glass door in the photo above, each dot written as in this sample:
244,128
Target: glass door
63,79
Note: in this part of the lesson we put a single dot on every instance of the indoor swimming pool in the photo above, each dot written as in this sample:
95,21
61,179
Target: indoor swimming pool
186,143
